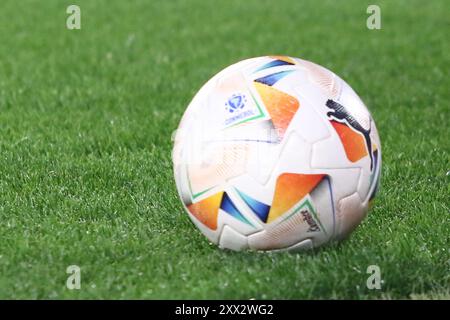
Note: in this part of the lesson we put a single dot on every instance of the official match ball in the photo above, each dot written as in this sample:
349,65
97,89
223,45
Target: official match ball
276,153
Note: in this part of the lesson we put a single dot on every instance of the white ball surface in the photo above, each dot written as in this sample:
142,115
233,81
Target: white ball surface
276,153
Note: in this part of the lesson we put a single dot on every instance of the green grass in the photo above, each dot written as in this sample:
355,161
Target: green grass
86,118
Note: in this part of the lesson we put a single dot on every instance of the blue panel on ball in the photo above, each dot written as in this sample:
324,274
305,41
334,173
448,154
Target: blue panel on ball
259,208
228,206
274,63
271,79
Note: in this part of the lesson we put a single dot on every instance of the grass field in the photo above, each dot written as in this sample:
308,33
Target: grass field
86,118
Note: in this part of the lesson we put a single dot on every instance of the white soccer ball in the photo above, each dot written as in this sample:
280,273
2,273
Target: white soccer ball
276,153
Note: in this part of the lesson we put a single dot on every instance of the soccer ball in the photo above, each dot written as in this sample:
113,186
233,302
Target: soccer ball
276,153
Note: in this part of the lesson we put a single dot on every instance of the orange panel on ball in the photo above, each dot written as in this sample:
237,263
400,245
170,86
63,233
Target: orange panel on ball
353,142
281,106
207,210
283,58
290,189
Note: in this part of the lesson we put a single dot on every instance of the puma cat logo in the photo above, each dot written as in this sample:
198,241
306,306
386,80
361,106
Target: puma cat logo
340,114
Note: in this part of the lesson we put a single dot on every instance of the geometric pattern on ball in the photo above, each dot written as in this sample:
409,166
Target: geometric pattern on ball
276,153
